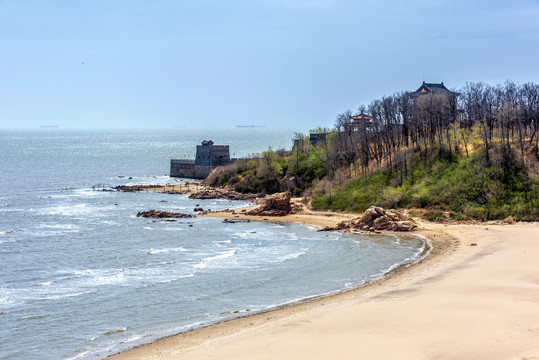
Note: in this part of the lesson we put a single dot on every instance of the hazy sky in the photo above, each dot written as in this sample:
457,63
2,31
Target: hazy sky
283,64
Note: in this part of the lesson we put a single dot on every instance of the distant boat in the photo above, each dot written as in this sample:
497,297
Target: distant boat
48,126
250,126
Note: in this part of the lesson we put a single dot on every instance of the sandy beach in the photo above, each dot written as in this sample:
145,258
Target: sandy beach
475,296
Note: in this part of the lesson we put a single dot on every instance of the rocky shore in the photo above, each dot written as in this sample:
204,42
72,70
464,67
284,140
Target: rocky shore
156,214
374,219
377,219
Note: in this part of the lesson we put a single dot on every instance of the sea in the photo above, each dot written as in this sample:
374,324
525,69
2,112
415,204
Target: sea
82,277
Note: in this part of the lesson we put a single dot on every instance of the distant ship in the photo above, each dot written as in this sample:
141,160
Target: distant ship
250,126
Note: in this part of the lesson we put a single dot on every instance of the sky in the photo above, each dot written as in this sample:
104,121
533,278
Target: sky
218,64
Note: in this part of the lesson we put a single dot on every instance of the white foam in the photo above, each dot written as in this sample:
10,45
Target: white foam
221,256
164,251
292,256
62,296
67,210
161,263
108,279
207,260
173,229
175,279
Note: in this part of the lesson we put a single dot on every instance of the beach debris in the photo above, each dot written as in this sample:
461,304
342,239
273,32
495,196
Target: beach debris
162,214
377,219
473,244
110,332
274,205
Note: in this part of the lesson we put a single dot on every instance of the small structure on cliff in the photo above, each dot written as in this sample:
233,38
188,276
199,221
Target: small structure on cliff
208,157
434,88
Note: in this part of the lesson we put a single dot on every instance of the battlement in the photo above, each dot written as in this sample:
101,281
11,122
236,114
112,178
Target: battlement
182,161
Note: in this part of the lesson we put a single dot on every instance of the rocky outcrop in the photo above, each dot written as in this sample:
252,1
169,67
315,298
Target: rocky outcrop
134,188
274,205
377,219
234,221
224,194
162,214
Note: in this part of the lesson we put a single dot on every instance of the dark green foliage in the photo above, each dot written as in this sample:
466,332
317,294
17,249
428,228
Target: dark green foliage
268,173
462,187
308,166
435,215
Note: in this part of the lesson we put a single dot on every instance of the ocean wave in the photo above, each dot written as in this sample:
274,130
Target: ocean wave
292,256
221,256
67,210
175,279
207,260
79,356
90,278
6,232
164,251
11,210
107,280
162,263
5,301
32,317
62,296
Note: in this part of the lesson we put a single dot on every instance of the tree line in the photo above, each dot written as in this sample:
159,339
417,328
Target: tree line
502,118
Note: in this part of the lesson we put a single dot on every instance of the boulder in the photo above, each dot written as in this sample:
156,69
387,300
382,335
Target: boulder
274,205
403,226
381,223
377,219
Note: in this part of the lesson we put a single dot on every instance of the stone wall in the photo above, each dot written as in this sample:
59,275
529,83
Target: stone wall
208,157
182,168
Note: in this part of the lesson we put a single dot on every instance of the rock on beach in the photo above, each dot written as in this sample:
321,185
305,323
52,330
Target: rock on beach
377,219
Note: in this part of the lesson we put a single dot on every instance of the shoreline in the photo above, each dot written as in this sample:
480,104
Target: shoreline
308,218
460,301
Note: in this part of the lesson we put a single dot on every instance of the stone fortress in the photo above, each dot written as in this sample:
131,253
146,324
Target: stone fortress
208,157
